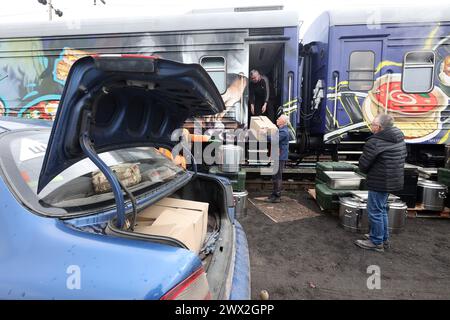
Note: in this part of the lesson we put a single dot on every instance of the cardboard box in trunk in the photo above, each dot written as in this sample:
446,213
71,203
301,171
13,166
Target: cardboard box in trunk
184,220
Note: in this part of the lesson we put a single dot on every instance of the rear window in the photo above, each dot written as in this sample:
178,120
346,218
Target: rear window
24,152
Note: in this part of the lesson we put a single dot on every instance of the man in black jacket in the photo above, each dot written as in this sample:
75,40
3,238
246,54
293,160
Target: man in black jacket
259,93
383,161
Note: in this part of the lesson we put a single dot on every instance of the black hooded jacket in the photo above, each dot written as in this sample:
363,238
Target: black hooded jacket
383,160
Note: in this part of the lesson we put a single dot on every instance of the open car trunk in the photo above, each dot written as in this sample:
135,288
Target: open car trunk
217,246
114,102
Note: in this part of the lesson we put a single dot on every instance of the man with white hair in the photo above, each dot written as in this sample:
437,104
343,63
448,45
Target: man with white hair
277,179
383,160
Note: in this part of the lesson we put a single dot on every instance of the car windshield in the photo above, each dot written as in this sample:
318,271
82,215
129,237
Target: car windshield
139,168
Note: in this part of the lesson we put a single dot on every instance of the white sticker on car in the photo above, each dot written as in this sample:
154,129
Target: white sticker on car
30,149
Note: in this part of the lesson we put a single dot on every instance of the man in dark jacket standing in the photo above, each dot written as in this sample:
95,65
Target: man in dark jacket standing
277,179
383,161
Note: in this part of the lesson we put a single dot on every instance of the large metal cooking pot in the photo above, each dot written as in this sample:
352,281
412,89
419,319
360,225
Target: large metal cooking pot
431,194
397,216
354,217
229,158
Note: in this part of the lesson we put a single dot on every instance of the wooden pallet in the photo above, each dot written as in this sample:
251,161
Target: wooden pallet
420,212
312,193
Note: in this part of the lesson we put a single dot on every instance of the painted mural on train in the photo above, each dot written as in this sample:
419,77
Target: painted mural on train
33,72
423,117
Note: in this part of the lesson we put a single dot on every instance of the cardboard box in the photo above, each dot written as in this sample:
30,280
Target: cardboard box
188,204
262,123
183,220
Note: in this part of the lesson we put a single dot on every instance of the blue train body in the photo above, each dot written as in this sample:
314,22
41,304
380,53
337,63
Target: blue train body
359,64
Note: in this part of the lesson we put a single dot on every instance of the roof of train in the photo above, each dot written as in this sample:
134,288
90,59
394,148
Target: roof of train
185,22
413,14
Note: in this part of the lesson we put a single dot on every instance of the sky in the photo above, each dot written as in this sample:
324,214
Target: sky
32,10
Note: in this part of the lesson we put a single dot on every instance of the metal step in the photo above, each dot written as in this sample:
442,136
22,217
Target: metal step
349,152
352,142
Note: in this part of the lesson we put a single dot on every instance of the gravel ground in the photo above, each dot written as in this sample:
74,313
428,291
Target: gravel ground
315,258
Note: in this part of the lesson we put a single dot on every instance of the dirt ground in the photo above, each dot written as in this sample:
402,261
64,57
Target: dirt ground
315,258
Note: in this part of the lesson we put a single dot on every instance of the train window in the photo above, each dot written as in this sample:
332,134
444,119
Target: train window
418,72
216,68
361,70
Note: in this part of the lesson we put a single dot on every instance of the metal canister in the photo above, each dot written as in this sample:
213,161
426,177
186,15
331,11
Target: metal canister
353,215
397,216
229,158
431,194
240,202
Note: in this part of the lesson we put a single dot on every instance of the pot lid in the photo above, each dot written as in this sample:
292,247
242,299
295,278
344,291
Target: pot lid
430,184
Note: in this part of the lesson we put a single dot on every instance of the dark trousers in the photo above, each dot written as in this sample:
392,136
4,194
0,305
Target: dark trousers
277,179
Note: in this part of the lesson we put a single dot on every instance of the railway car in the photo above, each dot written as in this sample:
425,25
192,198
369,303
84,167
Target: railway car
35,58
357,64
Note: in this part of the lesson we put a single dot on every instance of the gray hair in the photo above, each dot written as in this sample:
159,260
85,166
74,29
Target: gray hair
385,120
284,117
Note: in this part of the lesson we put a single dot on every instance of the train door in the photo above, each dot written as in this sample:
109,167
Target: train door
267,58
352,82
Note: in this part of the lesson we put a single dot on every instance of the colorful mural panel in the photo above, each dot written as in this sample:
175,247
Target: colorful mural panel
423,117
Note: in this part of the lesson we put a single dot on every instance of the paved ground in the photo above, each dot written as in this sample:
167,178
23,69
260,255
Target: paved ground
314,258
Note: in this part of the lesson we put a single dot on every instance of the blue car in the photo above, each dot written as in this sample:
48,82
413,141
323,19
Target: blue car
61,240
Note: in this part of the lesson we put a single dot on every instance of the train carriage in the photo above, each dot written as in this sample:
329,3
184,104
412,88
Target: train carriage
35,58
357,64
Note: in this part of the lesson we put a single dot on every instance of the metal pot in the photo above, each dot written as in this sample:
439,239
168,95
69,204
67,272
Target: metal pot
353,215
397,216
431,194
240,202
229,158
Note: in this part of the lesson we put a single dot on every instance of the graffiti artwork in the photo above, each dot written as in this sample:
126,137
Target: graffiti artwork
418,115
423,117
32,85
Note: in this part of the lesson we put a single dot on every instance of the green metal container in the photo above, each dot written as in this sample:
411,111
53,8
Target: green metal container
335,166
237,179
328,199
444,176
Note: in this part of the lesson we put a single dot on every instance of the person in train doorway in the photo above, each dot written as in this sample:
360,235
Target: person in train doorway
277,178
383,161
259,94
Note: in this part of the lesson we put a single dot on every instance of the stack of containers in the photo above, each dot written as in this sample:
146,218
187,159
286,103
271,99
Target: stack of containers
328,198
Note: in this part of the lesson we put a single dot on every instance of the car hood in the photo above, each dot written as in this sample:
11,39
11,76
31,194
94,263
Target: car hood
132,101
